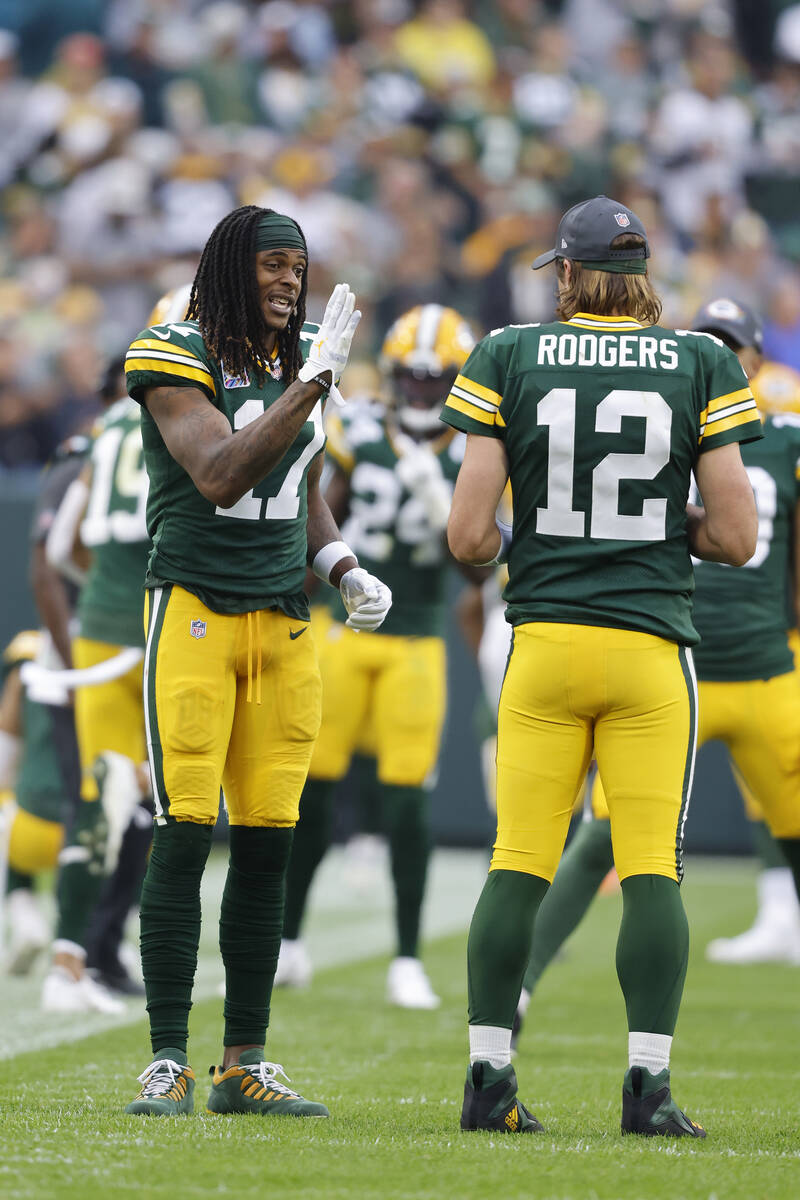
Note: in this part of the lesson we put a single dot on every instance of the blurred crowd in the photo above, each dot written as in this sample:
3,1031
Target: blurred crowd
427,149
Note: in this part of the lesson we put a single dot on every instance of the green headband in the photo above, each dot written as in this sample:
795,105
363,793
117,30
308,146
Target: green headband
279,232
619,266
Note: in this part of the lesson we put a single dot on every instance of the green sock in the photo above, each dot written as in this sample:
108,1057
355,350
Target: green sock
367,795
312,837
499,942
170,927
791,850
652,952
250,922
17,880
81,872
586,862
767,848
405,811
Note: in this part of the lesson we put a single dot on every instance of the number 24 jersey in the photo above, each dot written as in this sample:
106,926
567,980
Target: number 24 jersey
603,420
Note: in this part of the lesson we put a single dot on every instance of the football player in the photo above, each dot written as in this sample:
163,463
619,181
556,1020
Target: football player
231,410
598,419
749,688
391,488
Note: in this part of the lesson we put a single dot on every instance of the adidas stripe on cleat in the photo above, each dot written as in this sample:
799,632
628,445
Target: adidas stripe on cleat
167,1087
648,1107
252,1086
490,1101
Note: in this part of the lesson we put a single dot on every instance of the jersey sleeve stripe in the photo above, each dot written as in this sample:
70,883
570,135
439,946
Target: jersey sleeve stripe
163,344
186,360
743,418
484,404
473,411
477,389
748,406
731,398
157,367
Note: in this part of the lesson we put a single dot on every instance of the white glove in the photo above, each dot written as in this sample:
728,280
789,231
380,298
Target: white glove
366,599
331,346
420,472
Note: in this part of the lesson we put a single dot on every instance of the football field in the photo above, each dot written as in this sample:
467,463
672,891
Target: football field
393,1079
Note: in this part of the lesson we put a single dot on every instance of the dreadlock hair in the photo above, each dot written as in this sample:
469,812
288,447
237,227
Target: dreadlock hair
226,304
606,293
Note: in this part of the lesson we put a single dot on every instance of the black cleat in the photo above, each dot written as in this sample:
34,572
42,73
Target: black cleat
490,1101
648,1107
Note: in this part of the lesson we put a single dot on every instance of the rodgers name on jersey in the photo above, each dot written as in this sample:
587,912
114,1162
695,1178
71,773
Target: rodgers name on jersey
600,464
742,615
114,528
253,554
389,528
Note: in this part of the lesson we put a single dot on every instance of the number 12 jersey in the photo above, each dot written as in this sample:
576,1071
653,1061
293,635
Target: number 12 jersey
603,420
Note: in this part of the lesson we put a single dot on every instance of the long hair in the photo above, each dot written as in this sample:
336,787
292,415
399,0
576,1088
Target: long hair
226,304
606,293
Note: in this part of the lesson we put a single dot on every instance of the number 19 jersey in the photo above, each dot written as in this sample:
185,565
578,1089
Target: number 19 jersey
249,556
602,420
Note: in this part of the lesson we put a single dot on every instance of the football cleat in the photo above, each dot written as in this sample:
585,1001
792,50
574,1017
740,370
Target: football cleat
29,932
766,941
294,968
490,1101
62,992
407,985
648,1107
167,1087
252,1086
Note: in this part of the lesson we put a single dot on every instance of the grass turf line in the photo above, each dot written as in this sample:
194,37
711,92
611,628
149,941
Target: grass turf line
393,1081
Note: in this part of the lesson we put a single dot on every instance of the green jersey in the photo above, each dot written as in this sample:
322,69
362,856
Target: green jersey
40,787
253,554
388,528
602,420
741,614
111,602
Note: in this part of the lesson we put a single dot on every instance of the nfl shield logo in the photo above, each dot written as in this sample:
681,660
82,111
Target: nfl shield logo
197,629
622,219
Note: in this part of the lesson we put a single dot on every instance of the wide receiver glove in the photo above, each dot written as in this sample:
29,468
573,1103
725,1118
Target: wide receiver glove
366,599
331,347
420,472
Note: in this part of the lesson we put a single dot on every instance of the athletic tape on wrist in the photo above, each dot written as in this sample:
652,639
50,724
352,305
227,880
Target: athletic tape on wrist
327,558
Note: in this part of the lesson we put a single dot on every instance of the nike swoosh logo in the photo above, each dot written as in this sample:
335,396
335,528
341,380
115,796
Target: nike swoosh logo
295,633
164,336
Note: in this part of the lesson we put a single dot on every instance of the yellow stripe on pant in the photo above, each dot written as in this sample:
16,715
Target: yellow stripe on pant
574,691
204,733
759,722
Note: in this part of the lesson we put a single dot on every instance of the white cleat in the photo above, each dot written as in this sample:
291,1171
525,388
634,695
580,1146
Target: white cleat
28,933
63,993
294,966
408,986
766,941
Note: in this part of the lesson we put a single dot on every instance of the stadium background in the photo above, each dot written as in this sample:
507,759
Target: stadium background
427,150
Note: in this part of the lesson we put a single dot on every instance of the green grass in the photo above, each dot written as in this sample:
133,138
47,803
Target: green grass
393,1081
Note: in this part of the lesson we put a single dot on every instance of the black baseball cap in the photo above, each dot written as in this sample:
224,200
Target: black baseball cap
731,318
586,231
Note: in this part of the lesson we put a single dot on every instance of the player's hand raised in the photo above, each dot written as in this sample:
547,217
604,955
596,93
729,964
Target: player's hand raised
331,347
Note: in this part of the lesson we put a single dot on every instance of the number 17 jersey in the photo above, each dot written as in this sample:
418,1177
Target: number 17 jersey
603,420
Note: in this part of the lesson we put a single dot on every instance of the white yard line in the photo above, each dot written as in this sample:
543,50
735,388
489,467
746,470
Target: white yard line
350,919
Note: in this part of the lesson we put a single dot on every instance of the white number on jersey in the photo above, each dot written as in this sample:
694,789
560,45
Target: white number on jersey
556,410
378,518
117,464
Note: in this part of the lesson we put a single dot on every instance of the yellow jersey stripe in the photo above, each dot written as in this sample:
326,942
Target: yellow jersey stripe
161,368
163,344
587,323
472,410
602,318
185,360
731,398
741,418
731,410
477,389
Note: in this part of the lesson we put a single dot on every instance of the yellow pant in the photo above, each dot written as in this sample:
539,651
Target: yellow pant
384,695
572,691
108,716
231,702
759,722
33,843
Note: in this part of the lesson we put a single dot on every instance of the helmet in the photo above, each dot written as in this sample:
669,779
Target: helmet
420,358
171,307
776,388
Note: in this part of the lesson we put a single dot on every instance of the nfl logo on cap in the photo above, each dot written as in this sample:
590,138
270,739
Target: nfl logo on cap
197,629
622,219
